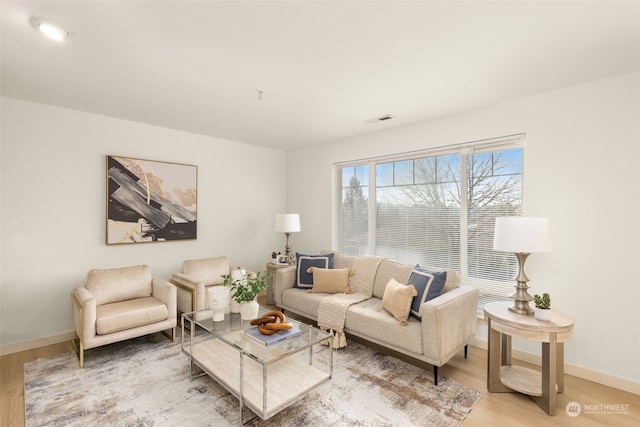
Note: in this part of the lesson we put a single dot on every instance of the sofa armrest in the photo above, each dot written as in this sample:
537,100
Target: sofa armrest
448,323
185,280
83,306
192,292
283,279
168,294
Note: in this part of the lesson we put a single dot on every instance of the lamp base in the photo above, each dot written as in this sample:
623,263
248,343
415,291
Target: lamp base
521,300
520,308
291,257
521,296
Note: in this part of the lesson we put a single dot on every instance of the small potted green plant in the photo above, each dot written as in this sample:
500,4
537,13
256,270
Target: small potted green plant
244,292
543,306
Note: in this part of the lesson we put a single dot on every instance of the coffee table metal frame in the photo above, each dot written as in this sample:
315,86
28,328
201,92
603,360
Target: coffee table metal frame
228,355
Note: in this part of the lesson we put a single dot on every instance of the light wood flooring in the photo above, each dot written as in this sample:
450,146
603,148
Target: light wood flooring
493,409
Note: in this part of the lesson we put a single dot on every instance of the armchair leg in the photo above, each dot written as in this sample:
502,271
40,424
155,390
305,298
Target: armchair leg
435,375
465,351
78,348
171,335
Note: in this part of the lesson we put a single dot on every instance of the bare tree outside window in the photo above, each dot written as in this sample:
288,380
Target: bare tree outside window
440,211
355,218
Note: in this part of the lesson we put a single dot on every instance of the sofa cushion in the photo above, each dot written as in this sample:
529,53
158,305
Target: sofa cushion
302,301
120,316
370,319
363,274
331,281
305,279
429,284
453,278
397,300
119,284
340,260
207,270
388,270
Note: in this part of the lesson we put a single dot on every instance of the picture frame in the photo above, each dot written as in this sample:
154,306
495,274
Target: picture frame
150,201
283,259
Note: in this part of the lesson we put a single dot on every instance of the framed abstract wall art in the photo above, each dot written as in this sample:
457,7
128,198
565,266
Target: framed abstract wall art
150,201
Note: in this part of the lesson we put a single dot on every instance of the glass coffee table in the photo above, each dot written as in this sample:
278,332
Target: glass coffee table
265,379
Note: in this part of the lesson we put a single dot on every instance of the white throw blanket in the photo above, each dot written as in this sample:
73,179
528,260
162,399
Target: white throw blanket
332,311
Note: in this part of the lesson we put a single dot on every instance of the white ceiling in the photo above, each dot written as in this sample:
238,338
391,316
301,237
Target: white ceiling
323,67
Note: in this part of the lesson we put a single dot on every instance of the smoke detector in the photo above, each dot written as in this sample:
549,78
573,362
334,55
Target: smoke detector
380,118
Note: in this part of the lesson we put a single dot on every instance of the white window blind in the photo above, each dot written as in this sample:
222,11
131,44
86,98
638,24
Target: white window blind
354,210
417,211
436,208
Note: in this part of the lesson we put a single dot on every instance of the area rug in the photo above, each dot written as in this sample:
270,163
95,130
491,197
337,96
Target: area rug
146,382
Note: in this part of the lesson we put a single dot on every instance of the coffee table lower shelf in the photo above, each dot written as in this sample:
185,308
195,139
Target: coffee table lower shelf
288,379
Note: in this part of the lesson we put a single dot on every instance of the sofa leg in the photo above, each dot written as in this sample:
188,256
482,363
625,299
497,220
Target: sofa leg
435,375
465,351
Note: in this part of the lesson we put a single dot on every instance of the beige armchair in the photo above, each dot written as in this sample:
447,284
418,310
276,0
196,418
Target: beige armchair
119,304
192,282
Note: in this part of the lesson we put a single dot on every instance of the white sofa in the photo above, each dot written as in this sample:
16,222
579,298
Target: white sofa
448,321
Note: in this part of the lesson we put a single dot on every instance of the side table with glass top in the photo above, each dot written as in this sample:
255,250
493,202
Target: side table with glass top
265,379
503,377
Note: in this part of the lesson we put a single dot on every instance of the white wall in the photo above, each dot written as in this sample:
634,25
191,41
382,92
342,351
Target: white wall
53,194
581,169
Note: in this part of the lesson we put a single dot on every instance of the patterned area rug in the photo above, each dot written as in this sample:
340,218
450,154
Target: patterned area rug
146,382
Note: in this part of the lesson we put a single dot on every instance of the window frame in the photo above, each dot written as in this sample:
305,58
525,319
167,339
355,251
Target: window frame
464,150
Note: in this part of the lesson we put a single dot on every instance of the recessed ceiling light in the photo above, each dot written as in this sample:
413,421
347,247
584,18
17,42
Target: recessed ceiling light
50,29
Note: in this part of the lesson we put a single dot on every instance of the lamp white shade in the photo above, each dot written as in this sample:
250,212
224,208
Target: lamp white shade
287,223
521,234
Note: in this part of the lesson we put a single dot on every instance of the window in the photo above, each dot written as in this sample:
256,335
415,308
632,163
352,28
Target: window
436,208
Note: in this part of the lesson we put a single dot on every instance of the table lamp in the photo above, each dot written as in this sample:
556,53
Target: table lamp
287,224
522,236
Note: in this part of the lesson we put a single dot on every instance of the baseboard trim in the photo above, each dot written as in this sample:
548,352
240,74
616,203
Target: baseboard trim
570,369
38,342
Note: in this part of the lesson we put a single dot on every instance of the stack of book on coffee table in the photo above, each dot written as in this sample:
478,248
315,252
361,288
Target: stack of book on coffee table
273,338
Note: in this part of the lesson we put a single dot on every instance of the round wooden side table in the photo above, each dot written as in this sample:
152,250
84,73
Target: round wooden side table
504,324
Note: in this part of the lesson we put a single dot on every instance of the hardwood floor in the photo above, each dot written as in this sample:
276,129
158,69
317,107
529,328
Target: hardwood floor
493,409
515,409
12,381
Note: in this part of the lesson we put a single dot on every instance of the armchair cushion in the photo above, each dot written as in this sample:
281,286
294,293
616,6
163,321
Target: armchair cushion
120,316
206,270
119,284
